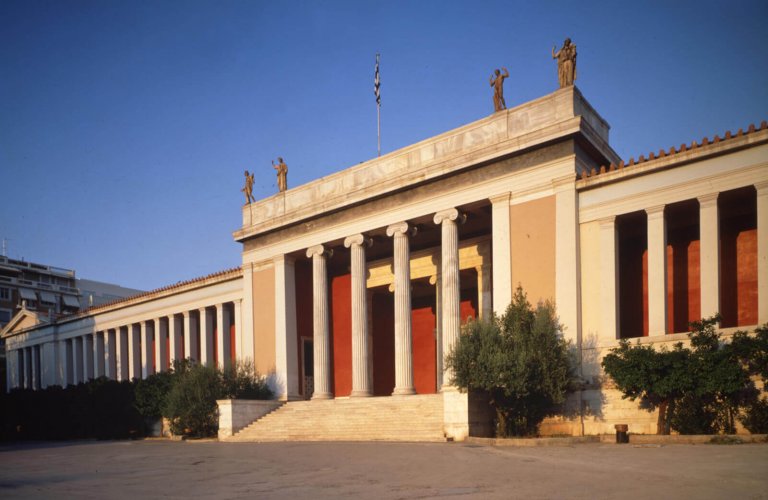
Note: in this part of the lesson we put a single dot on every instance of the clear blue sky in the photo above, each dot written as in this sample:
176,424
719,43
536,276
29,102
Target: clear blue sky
125,126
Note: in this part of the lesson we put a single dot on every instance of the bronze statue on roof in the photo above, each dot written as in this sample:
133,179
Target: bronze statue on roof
566,63
282,174
248,189
497,82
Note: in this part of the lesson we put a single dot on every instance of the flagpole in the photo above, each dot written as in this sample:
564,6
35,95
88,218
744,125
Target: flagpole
376,85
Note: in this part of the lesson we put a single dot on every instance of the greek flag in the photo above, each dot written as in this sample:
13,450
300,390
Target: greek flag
377,83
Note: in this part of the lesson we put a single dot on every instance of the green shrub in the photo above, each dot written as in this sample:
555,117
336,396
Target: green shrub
151,393
755,417
191,403
520,360
242,381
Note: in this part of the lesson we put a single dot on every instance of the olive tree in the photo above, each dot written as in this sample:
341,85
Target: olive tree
520,360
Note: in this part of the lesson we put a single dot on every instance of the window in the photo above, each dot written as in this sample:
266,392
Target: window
5,293
5,316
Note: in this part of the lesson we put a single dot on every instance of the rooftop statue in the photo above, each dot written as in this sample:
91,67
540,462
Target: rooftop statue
566,63
497,82
282,174
248,189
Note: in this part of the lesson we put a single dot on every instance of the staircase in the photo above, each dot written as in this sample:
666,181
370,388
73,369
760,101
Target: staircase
395,418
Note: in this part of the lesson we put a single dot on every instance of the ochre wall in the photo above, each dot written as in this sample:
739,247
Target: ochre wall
738,275
264,320
683,269
341,334
532,244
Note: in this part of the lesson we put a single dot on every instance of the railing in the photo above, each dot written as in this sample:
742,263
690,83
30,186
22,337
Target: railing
38,267
39,285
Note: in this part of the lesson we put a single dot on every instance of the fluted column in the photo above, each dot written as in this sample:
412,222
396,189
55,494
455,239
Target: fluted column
451,314
110,353
147,342
709,253
361,380
403,332
87,346
222,339
121,349
206,337
161,346
98,354
322,347
657,271
175,329
134,351
190,336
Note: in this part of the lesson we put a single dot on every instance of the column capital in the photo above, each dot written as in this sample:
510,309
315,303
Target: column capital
655,211
607,222
500,199
401,228
185,314
707,200
761,187
358,240
320,250
451,214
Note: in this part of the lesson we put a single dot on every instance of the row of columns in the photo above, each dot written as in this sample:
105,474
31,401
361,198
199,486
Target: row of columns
135,351
448,316
709,244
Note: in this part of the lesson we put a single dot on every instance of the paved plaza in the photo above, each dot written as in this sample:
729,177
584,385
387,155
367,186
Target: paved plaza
159,468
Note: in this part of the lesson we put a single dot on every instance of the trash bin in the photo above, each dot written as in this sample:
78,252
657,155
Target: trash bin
621,433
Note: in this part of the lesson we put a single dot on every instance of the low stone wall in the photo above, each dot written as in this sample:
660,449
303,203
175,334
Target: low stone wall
236,414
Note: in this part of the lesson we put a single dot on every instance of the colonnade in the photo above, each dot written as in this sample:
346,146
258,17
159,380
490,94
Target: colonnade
710,282
448,318
132,351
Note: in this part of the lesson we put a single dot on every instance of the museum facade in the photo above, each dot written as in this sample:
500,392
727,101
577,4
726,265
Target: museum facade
357,284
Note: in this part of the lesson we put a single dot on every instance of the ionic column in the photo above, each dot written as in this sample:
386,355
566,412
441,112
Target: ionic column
762,252
161,347
134,351
206,337
361,381
147,343
222,325
403,331
98,355
190,336
322,361
37,381
121,353
451,314
175,329
609,278
657,271
709,236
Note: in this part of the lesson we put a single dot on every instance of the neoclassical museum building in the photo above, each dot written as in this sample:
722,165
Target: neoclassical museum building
353,287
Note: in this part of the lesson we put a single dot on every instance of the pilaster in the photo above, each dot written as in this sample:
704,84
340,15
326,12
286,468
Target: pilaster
762,252
609,279
709,235
657,271
286,343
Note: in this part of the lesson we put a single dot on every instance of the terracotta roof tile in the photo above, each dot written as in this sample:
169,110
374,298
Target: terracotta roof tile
672,151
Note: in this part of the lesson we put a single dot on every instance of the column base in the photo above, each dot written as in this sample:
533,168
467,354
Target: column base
361,394
403,391
322,395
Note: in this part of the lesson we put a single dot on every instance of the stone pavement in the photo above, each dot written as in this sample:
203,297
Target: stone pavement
160,468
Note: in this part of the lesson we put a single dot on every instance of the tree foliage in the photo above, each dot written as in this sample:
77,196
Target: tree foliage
698,390
520,360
